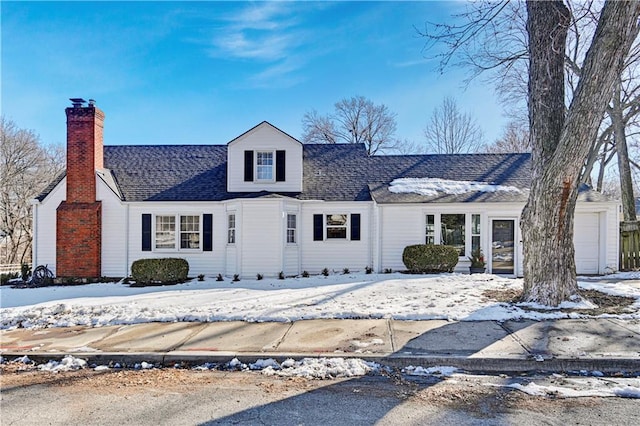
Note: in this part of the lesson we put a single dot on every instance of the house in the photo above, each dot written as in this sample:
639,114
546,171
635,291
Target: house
265,203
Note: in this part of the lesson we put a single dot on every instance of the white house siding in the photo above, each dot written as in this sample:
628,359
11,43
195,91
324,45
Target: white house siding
114,232
335,255
596,238
402,225
200,262
44,238
262,237
264,137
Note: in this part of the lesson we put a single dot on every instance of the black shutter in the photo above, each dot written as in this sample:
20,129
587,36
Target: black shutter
146,232
248,166
280,165
317,227
207,232
355,227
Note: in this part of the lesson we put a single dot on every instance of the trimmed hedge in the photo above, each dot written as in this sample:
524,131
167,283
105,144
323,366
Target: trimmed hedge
430,259
168,270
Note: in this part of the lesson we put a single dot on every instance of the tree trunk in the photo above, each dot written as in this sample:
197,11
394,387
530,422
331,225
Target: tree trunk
560,145
624,169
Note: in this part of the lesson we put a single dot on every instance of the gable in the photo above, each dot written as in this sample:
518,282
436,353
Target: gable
264,159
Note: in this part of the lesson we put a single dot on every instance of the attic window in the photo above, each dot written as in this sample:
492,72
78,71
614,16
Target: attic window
264,165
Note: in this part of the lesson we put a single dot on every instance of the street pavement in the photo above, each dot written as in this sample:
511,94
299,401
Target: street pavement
606,345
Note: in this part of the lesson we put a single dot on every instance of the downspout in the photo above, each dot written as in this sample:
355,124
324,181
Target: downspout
372,234
126,241
378,267
34,239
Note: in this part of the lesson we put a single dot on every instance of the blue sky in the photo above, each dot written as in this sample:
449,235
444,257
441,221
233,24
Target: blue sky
205,72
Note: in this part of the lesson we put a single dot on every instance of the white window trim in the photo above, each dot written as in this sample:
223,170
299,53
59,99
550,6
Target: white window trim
467,231
347,226
273,165
295,229
235,228
177,233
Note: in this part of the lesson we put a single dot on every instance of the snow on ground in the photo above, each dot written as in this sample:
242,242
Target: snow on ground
398,296
556,386
580,388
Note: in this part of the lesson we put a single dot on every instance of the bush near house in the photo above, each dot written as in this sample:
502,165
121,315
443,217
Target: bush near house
159,271
429,259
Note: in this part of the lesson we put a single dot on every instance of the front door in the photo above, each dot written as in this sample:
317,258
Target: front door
502,246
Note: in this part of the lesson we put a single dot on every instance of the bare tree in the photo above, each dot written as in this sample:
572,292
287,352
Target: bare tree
26,168
354,120
561,137
452,132
515,138
561,142
490,39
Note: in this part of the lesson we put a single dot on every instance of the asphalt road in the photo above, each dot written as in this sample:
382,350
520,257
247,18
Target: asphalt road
187,397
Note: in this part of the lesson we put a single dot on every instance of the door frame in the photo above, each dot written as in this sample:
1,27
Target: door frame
517,245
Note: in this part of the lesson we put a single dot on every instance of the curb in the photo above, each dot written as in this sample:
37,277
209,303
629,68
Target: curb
472,365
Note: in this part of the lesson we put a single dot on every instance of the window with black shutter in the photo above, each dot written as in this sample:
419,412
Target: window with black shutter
355,227
281,166
248,166
318,228
207,232
146,232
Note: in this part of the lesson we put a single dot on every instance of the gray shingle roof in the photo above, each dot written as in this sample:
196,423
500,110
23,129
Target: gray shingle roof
341,172
498,169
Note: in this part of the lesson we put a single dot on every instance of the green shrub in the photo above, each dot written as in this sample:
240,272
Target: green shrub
5,277
427,258
159,271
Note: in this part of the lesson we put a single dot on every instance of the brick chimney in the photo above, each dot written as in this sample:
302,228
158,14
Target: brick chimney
79,217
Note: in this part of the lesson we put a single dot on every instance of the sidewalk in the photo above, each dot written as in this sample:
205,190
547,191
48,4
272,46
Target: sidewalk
607,345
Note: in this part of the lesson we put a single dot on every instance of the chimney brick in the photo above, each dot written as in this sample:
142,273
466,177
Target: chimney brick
79,217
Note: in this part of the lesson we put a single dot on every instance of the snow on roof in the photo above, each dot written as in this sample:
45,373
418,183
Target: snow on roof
434,186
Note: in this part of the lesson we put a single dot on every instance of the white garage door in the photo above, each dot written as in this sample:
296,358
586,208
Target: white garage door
587,242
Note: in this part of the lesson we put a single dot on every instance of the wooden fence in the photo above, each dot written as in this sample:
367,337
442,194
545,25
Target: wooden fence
629,246
10,268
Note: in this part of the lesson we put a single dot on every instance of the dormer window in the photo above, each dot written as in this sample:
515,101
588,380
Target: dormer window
264,166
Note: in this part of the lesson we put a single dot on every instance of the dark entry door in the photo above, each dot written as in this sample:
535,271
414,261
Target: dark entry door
502,246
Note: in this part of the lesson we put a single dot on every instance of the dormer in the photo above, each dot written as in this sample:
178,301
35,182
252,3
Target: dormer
264,159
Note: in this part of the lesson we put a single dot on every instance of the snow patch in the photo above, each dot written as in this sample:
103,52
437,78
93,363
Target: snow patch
323,368
433,186
444,371
566,392
68,363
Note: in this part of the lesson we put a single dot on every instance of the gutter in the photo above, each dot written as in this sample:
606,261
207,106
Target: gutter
34,238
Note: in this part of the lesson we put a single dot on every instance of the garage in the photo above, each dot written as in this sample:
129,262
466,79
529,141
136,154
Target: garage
587,242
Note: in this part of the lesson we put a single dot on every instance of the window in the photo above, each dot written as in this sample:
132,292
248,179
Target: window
430,231
231,233
264,165
189,232
177,232
291,228
336,226
452,231
165,232
475,232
